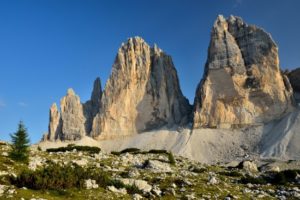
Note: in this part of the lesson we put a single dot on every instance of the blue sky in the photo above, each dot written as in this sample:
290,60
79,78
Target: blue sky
47,46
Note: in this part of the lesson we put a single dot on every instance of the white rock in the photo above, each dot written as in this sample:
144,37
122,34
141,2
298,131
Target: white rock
249,166
156,190
115,190
82,162
140,184
3,173
35,162
212,180
4,153
190,196
137,197
91,184
158,167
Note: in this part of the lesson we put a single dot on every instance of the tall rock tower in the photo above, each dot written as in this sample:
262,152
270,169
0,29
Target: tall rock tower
242,83
142,93
75,119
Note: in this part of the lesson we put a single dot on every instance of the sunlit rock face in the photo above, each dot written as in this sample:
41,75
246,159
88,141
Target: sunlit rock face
142,93
242,82
74,120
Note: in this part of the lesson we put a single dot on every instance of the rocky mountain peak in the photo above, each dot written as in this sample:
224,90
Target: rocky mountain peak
97,92
74,120
242,82
142,92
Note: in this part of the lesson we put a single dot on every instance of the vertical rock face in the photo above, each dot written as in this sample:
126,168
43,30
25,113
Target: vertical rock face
141,94
242,82
75,119
54,123
92,107
72,117
294,78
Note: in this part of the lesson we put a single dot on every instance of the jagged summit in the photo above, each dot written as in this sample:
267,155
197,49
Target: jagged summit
142,93
74,120
242,83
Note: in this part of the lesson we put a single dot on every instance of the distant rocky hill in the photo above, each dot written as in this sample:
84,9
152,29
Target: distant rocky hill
242,86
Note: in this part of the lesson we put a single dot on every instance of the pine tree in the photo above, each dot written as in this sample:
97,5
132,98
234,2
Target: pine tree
20,144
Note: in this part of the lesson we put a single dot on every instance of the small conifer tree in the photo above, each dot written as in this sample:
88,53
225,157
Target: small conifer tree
20,144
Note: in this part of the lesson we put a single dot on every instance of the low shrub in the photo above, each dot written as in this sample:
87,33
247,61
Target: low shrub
57,177
53,177
130,150
197,169
276,178
117,153
158,151
78,148
133,189
284,177
231,173
254,180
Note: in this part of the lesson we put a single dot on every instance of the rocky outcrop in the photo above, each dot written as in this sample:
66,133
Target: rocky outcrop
142,93
75,119
242,82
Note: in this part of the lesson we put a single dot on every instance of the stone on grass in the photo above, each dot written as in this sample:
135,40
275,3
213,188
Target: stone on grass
115,190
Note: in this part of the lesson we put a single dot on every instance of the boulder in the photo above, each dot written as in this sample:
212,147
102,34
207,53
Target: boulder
115,190
157,166
248,166
140,184
90,184
242,83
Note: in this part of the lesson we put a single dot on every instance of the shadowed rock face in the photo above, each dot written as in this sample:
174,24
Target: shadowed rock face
242,83
92,107
141,94
294,78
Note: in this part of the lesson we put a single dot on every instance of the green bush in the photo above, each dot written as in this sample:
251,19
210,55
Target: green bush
130,150
57,177
158,151
285,177
77,148
254,180
117,153
276,178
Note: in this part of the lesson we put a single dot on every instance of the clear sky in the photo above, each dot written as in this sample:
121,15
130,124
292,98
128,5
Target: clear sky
47,46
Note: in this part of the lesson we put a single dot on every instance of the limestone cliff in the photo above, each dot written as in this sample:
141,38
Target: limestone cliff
142,93
92,107
242,82
75,119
